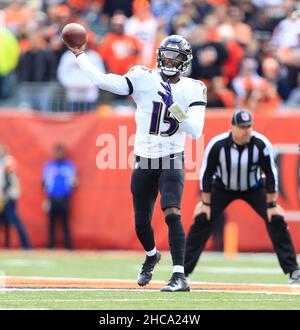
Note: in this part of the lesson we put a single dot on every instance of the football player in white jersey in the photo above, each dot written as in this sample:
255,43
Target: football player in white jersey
168,106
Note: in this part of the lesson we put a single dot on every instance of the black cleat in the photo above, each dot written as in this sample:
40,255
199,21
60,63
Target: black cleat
177,283
147,269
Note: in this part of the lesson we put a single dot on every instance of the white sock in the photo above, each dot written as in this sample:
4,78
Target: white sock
151,253
178,269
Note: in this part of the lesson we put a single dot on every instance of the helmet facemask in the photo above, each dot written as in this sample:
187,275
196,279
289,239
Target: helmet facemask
181,59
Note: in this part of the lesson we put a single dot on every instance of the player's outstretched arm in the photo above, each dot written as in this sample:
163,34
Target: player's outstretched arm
110,82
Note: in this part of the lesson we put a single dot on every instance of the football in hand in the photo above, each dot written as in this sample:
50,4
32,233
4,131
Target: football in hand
74,35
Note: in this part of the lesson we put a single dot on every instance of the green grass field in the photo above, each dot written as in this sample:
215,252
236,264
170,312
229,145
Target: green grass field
246,268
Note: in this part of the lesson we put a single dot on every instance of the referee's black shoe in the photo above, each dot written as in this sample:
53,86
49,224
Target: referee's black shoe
177,283
147,269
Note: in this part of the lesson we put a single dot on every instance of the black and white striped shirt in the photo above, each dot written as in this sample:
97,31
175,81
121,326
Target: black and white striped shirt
238,168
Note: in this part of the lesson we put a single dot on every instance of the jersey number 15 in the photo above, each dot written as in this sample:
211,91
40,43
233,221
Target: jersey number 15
168,119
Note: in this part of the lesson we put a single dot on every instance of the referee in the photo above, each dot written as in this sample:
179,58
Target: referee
232,169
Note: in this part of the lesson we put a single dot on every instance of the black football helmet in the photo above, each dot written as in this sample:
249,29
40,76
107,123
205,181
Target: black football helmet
174,47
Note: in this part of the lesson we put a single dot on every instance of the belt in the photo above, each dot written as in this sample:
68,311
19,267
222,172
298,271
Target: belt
165,162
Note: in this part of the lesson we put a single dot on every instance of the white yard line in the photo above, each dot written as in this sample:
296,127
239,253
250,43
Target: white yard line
145,299
8,290
27,263
21,309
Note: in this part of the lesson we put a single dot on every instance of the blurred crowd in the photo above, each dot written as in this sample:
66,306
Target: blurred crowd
247,52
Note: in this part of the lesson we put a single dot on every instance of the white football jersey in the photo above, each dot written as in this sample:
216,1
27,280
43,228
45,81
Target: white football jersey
157,133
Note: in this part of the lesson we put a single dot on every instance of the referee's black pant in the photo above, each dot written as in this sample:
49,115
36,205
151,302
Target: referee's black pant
277,229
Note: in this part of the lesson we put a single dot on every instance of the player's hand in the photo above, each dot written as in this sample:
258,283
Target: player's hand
201,208
76,50
277,210
174,109
167,96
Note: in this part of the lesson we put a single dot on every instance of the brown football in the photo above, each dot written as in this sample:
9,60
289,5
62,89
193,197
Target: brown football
74,35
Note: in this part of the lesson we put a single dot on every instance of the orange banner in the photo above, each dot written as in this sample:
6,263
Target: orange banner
102,213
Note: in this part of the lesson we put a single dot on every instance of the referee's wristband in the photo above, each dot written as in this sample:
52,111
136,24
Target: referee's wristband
206,204
272,204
